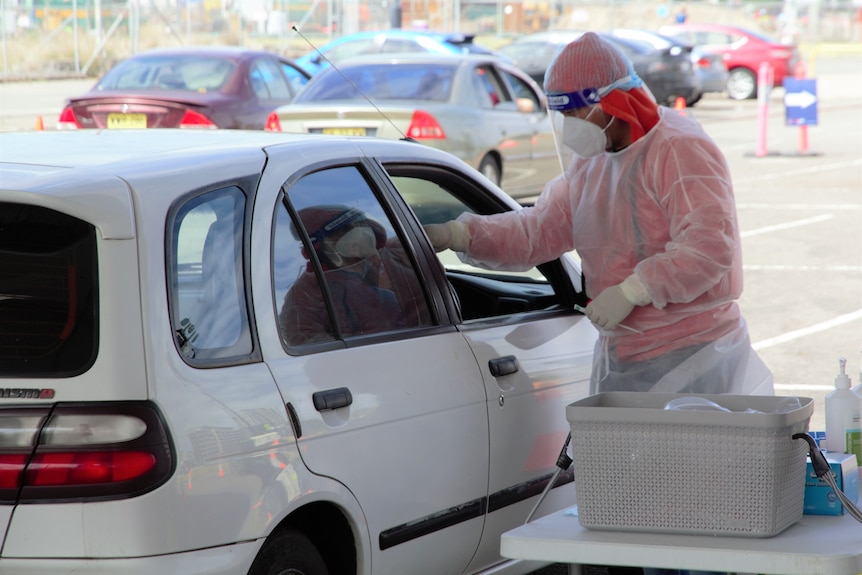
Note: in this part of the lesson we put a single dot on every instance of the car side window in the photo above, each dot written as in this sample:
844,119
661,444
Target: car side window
400,46
267,81
295,78
208,304
436,198
488,87
340,269
527,99
351,48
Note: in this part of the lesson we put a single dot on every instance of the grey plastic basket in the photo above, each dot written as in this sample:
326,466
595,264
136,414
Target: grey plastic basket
639,467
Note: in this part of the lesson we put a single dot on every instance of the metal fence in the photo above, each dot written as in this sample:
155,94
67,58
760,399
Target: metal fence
49,38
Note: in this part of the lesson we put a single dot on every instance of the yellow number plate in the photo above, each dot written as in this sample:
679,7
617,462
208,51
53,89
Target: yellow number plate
345,131
127,121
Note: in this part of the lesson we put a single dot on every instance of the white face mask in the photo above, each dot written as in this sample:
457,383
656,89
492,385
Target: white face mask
359,242
585,138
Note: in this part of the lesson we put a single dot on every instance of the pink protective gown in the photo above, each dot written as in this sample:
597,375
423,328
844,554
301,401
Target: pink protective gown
663,208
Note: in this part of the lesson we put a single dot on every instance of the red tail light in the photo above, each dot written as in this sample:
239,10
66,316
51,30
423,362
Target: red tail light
272,123
87,468
67,120
703,63
423,126
78,452
193,119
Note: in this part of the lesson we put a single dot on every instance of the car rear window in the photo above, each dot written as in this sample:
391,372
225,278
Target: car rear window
163,72
48,293
382,81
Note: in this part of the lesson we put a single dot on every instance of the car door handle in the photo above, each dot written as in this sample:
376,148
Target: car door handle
503,365
332,399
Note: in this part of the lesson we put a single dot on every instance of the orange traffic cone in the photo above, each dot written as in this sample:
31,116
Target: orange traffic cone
679,105
40,123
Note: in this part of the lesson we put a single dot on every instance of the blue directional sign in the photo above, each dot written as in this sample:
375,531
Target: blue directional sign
800,102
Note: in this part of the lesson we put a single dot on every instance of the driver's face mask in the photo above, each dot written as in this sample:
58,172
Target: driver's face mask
583,137
358,243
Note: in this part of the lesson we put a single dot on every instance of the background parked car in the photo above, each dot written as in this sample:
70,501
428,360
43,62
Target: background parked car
164,413
220,87
743,51
394,41
484,111
709,69
668,76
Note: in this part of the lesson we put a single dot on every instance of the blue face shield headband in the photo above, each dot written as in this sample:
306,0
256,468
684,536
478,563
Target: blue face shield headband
561,102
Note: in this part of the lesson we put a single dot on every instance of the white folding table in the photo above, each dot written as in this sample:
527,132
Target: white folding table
816,545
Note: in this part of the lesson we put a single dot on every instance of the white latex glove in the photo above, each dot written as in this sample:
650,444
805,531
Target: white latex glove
439,236
453,235
615,303
609,308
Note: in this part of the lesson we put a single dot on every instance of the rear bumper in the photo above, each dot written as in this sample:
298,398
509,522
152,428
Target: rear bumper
224,560
666,87
712,81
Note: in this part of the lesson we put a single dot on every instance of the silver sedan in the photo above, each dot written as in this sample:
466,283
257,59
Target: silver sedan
480,109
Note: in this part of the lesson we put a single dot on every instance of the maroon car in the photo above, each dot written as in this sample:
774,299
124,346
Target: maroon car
202,87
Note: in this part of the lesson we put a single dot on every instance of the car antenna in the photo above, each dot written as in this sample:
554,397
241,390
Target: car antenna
354,86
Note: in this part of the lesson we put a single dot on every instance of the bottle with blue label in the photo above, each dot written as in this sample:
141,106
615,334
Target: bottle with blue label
844,416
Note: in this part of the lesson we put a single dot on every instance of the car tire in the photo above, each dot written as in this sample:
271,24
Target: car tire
741,84
289,552
490,168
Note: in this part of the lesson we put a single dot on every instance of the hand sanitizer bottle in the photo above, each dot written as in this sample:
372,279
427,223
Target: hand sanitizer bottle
843,414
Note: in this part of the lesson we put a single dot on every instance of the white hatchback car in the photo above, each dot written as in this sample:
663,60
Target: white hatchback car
236,352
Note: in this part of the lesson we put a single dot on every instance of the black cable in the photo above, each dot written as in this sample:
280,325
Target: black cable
823,471
563,463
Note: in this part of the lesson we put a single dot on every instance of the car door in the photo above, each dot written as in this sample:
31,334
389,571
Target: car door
392,405
545,161
534,351
509,131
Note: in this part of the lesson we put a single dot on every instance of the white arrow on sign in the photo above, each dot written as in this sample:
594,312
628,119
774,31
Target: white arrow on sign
801,99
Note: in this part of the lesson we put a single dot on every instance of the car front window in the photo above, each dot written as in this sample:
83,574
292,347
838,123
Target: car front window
340,269
437,197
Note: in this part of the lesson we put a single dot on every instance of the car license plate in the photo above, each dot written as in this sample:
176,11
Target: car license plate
345,131
127,121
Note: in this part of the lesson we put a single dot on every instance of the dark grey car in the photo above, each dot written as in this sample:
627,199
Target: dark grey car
667,75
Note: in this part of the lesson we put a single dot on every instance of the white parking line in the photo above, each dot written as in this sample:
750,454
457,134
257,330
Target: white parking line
802,387
818,327
787,225
800,171
799,268
801,207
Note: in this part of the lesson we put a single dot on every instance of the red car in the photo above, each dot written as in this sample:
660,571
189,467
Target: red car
743,50
204,87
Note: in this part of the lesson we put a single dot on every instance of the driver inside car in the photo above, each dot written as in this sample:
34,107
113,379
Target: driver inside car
349,245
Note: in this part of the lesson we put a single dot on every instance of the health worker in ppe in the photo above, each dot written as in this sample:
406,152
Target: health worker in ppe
647,202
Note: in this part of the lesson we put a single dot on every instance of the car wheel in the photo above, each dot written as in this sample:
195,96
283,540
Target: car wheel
741,84
289,553
694,100
490,168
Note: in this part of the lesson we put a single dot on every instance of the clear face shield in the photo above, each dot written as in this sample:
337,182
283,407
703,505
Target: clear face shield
576,136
